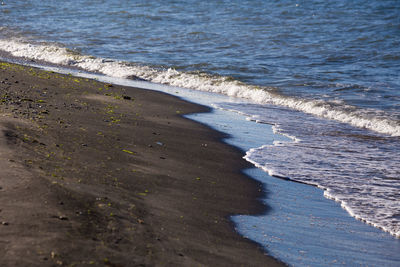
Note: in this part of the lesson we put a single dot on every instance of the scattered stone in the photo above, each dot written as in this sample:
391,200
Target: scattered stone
4,223
126,97
63,218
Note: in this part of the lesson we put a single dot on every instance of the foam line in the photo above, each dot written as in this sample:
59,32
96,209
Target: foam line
362,118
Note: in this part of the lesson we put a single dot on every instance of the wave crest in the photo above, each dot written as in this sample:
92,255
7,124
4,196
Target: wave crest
362,118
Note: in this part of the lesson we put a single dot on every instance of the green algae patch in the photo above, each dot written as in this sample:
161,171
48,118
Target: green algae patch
128,151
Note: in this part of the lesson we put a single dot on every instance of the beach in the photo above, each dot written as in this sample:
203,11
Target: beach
265,128
95,173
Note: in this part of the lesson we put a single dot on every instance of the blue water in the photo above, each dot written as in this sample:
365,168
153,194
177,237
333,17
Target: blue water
327,49
301,227
325,74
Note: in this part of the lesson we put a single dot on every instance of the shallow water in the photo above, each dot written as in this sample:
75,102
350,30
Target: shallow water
301,227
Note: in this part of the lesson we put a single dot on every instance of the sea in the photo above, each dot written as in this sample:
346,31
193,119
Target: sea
315,82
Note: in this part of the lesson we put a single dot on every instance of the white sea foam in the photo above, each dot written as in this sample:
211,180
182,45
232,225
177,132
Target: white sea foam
201,81
373,206
355,168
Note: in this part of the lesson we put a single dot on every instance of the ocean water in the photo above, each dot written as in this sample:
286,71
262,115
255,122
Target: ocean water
301,227
325,74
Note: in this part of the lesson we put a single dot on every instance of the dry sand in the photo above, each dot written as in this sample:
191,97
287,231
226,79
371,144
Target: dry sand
98,174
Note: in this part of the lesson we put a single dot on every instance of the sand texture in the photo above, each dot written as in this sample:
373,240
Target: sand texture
97,174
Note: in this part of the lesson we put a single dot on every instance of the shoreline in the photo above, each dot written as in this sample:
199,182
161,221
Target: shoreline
106,174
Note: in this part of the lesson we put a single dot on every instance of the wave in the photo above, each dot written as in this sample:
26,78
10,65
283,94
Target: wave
355,168
380,211
52,53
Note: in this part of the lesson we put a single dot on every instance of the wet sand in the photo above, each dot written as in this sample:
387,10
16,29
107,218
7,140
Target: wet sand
99,174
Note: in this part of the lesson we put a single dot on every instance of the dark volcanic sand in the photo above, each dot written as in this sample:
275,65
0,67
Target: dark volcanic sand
100,174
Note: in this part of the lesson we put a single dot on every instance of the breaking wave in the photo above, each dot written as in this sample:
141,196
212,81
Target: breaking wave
334,110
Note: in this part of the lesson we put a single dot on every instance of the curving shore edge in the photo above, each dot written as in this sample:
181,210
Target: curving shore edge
99,174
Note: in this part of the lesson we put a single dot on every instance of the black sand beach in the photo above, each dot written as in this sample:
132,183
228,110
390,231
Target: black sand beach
98,174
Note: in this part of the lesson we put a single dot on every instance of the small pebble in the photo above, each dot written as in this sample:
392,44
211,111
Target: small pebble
4,223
